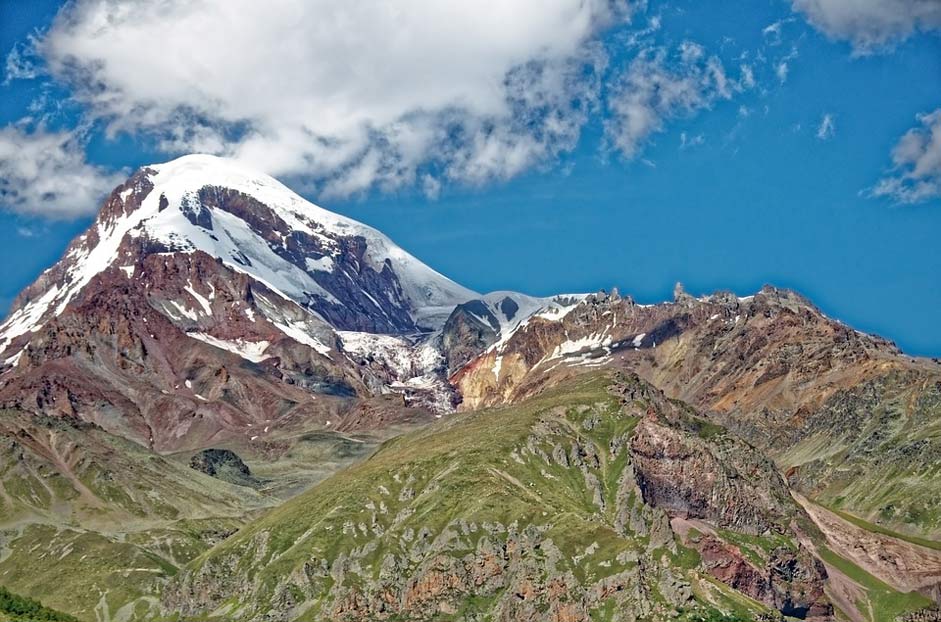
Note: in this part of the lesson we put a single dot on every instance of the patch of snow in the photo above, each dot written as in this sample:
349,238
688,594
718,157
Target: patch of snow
575,346
13,360
497,364
412,366
397,353
295,331
638,340
128,271
249,350
203,302
183,310
324,264
26,318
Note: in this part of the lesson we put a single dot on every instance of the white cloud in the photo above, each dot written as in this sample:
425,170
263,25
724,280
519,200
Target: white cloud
658,86
916,158
871,25
349,95
827,128
687,141
772,33
21,63
45,173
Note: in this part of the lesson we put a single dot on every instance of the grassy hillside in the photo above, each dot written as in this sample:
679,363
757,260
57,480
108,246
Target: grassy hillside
96,525
526,512
874,451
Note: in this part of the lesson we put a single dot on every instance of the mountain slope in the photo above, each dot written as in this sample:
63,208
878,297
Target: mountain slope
850,417
558,509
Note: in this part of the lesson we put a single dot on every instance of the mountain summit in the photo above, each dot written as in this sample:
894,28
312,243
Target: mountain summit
344,271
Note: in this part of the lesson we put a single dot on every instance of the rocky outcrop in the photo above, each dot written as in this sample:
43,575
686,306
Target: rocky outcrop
707,474
930,614
465,335
792,581
222,464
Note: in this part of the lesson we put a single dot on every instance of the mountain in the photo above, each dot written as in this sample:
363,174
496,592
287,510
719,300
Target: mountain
824,400
225,402
205,300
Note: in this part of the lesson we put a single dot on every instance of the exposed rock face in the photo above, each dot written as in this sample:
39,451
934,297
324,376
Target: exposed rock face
224,464
465,335
696,470
792,582
170,375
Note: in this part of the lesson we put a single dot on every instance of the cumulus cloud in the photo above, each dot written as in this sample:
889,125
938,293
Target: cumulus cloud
346,95
827,128
916,159
660,85
45,173
870,25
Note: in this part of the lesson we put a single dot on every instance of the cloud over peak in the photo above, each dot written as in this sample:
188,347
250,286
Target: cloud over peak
348,95
45,173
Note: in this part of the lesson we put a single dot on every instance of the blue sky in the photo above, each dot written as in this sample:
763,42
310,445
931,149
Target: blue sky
729,187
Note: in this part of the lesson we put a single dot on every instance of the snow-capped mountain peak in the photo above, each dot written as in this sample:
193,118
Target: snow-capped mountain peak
343,271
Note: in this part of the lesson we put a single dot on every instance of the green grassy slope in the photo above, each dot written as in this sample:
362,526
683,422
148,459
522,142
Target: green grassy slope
519,511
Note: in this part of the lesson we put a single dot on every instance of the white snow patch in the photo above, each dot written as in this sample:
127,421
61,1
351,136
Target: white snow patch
128,271
396,353
13,360
638,340
297,333
184,311
203,302
575,346
249,350
324,264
